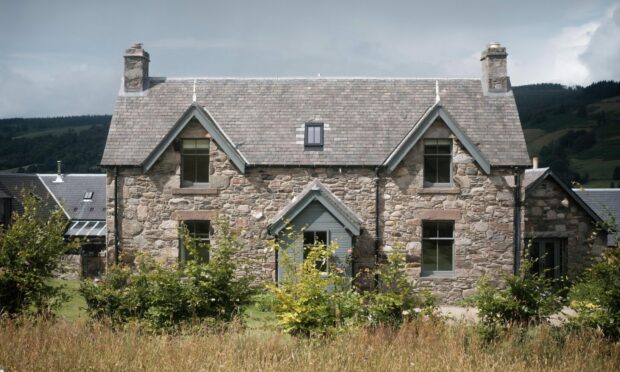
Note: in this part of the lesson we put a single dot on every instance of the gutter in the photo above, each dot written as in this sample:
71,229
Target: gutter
517,221
116,236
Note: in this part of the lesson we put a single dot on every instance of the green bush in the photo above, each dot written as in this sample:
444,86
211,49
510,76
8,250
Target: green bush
395,299
527,298
31,250
311,301
596,297
166,297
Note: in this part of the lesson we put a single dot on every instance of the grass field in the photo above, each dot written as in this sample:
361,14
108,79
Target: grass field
74,309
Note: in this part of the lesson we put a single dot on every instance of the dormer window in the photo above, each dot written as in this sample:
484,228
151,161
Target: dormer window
437,162
88,195
194,162
314,136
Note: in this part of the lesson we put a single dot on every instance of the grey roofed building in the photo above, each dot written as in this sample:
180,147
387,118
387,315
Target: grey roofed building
604,202
365,119
71,194
12,184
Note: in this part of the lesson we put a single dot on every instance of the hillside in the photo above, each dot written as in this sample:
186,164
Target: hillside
575,130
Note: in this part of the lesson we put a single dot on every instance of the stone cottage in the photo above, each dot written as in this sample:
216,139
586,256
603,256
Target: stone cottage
430,166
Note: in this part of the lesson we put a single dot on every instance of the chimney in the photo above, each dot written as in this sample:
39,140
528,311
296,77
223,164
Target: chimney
58,172
535,162
136,69
494,71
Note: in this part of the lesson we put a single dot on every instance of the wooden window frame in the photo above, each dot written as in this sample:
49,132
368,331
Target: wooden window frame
195,183
437,239
560,255
314,145
183,255
323,266
427,142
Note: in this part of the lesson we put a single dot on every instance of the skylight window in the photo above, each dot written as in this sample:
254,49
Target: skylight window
88,195
314,136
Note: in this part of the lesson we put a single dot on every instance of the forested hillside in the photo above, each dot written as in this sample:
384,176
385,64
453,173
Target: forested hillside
34,145
575,130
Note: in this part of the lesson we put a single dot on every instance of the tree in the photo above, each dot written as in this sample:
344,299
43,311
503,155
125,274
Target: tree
31,250
616,175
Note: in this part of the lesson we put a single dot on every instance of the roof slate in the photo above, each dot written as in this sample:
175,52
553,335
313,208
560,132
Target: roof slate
12,184
604,202
70,194
365,119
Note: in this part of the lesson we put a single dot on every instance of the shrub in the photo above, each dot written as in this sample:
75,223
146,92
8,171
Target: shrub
596,297
527,298
395,299
31,250
311,301
166,297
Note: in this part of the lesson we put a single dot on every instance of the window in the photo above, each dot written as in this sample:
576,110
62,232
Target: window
314,135
437,247
437,162
200,231
194,161
548,257
312,239
88,195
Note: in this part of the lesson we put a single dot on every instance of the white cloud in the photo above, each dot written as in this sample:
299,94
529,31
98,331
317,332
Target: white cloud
193,43
602,56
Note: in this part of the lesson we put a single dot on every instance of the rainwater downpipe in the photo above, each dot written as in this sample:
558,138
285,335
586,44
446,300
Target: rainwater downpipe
116,235
517,221
377,233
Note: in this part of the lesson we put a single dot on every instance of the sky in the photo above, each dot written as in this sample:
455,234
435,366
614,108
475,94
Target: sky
64,57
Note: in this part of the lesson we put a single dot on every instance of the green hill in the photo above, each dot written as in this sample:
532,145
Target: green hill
575,130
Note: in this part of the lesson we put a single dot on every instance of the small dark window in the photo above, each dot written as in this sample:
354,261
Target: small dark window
200,231
437,247
437,162
313,239
314,135
194,161
88,195
548,257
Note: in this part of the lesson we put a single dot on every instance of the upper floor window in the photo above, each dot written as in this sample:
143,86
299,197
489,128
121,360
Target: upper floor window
437,162
194,161
314,135
437,247
200,232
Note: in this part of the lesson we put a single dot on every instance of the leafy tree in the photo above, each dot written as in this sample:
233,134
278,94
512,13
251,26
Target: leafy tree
31,250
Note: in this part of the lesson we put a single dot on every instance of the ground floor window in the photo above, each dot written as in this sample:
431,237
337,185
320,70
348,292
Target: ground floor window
548,256
437,247
312,239
200,231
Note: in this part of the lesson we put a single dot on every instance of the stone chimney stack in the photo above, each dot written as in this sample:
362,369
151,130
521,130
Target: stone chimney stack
136,69
494,71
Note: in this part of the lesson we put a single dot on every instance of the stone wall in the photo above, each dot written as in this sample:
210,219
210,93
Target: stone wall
152,204
551,213
481,206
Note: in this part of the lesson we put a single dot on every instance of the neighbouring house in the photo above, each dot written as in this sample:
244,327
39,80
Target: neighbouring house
433,167
561,230
81,197
606,203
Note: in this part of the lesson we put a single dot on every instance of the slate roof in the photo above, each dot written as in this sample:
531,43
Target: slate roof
315,190
365,119
604,202
12,184
70,194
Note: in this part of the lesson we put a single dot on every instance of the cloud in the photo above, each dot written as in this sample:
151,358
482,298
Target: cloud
602,55
193,43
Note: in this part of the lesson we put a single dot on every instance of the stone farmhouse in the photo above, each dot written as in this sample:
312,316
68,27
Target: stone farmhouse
433,167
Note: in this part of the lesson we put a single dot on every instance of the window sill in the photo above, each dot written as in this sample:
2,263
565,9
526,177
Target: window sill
439,190
447,275
195,191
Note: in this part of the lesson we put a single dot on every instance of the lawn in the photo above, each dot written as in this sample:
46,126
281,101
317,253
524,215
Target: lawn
75,308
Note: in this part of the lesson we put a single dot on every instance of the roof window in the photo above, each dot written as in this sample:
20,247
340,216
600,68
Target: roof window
314,136
88,195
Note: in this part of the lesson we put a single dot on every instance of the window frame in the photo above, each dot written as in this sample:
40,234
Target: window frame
187,183
324,266
427,183
560,256
314,145
437,239
183,254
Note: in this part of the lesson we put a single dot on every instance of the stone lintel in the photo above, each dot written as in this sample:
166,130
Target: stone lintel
439,190
194,215
195,191
546,234
439,214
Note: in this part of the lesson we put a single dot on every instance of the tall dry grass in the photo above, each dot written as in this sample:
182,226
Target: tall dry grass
423,346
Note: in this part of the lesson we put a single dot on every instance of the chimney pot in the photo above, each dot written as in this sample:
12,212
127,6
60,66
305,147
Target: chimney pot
494,69
135,77
535,162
